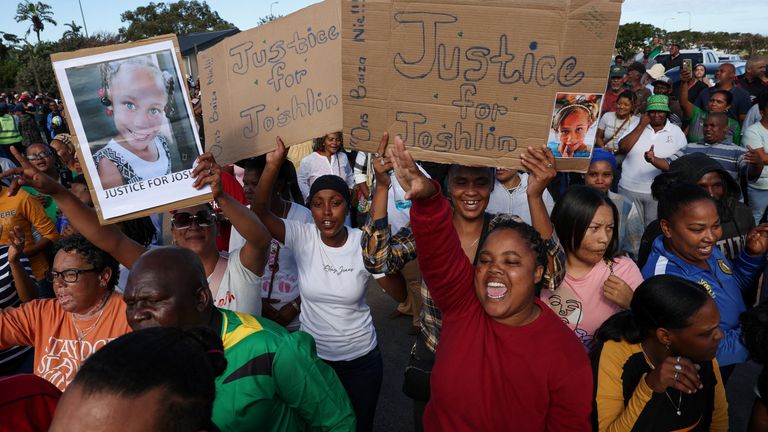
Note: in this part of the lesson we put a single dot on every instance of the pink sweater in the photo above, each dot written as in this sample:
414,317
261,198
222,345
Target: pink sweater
489,376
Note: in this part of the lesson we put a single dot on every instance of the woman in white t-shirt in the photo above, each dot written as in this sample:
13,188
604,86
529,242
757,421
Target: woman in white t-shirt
614,125
332,284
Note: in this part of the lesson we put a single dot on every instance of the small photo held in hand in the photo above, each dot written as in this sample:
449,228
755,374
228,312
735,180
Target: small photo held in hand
574,124
129,108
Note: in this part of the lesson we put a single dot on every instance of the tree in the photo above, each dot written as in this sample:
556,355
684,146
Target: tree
7,44
73,32
178,18
37,13
268,18
632,37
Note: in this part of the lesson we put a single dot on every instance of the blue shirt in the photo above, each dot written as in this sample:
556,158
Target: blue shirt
579,153
723,281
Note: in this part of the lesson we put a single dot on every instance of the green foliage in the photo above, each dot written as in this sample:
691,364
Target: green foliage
73,32
269,18
632,37
37,14
8,70
178,18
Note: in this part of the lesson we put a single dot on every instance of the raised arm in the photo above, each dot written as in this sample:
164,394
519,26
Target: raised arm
262,196
630,139
255,253
25,285
659,163
686,83
108,238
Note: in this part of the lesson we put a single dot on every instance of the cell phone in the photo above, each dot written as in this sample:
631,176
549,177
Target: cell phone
687,64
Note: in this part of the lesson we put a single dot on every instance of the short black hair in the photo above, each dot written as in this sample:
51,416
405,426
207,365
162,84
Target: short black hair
573,213
528,233
628,94
721,116
726,94
678,196
93,255
662,301
183,363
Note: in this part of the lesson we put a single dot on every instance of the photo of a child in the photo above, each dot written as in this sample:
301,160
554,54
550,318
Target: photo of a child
130,110
138,97
574,124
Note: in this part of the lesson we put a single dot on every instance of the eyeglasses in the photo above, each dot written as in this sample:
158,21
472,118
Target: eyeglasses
184,220
41,155
68,275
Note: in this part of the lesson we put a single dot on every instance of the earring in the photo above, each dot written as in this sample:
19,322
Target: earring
668,345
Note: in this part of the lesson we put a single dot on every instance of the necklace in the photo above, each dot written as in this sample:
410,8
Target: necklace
677,407
81,334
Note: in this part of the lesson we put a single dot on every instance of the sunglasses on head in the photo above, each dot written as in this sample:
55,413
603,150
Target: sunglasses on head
184,220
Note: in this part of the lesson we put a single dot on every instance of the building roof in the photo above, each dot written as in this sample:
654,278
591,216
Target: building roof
199,41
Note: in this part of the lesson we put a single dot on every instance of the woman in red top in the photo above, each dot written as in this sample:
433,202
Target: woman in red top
505,361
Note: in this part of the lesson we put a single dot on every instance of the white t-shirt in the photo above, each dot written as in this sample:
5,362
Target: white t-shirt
515,201
609,124
756,136
332,282
143,168
636,173
239,288
316,165
285,286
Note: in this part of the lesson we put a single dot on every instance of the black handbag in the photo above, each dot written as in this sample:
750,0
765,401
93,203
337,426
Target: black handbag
418,371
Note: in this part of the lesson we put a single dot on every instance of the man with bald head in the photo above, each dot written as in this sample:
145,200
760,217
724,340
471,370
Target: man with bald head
274,380
726,76
734,159
754,79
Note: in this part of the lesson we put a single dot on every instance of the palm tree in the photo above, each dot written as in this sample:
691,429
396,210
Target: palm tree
74,30
37,13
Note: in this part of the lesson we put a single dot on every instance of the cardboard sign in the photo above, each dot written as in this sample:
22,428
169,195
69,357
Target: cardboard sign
470,82
129,108
279,79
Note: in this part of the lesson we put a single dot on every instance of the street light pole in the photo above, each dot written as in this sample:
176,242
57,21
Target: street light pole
689,18
83,15
270,7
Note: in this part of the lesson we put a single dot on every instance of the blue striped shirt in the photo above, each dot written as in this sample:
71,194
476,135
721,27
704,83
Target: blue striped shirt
10,298
729,155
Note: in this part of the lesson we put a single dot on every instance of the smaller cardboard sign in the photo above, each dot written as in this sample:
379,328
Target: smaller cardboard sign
278,79
470,81
129,109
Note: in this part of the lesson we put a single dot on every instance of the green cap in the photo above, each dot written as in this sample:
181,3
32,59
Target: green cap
658,103
618,71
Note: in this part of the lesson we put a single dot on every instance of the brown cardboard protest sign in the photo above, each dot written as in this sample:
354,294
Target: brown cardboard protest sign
279,79
471,82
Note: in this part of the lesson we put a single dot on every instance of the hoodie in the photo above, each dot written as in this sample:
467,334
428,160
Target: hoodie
723,281
736,218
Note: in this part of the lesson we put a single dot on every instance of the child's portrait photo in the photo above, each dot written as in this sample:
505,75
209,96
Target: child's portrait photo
574,124
130,111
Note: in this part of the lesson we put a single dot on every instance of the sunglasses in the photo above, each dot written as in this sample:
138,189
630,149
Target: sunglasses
184,220
41,155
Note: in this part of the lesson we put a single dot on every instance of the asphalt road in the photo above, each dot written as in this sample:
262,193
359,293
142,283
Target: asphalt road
394,412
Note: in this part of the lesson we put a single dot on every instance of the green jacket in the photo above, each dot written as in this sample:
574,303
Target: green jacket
9,132
274,380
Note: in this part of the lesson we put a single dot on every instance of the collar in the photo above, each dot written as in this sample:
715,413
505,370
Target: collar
216,321
686,267
664,129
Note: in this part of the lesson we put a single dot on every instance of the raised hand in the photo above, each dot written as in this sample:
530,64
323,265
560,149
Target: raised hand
676,372
277,156
415,184
208,172
540,164
16,242
650,155
28,175
757,240
381,163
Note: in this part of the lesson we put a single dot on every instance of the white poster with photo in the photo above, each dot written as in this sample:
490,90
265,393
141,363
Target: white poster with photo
129,107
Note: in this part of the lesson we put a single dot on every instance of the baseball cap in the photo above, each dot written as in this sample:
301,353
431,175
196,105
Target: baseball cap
618,71
663,80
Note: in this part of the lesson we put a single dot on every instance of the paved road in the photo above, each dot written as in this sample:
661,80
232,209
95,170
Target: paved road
394,412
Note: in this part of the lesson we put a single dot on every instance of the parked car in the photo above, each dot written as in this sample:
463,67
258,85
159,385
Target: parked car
728,58
701,55
711,68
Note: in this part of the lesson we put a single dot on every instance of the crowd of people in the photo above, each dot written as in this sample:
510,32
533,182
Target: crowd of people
618,299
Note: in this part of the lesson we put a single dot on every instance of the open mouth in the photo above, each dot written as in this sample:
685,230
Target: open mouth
471,205
326,224
705,250
496,290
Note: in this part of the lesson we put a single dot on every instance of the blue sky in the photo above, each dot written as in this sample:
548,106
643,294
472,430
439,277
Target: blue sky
706,15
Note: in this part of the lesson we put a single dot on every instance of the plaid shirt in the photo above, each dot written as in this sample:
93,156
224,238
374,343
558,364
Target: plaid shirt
384,253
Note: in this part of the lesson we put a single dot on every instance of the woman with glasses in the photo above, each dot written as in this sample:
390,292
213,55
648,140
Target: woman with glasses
234,281
85,315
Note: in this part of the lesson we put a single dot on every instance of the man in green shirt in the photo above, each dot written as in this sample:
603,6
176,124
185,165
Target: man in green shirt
274,380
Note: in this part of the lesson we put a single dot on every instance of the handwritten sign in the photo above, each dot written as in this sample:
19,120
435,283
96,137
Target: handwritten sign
470,82
280,79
